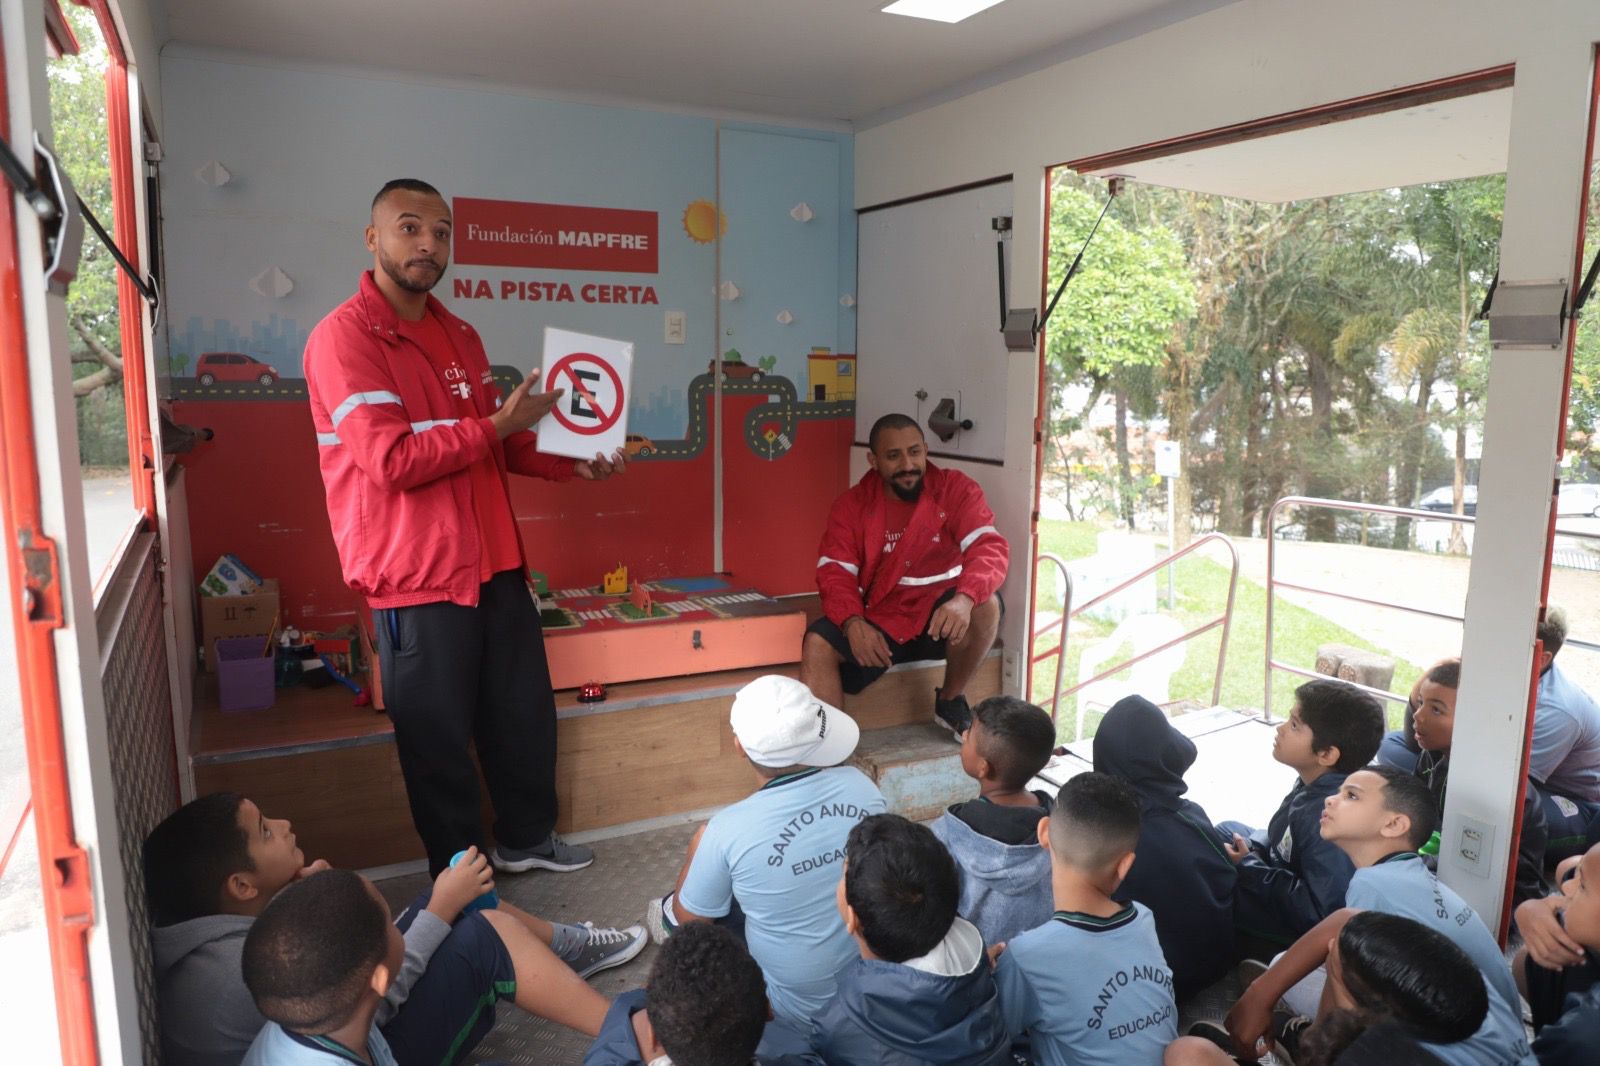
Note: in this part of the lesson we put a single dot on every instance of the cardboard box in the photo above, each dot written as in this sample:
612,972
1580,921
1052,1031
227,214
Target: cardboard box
237,616
230,577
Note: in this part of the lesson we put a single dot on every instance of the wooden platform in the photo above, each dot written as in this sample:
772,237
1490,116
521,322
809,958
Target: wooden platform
653,749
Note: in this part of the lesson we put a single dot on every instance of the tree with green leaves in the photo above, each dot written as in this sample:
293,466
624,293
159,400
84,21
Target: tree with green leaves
1117,313
1453,230
79,135
1583,420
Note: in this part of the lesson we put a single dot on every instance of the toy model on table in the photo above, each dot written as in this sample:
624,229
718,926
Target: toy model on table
665,628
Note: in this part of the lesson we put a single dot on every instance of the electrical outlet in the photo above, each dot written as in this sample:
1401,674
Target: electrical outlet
1010,670
1475,844
677,327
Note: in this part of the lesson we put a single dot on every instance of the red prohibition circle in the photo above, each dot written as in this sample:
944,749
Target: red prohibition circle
556,382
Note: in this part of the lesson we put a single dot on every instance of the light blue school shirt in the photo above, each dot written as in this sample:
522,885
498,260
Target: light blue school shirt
1565,751
1090,991
1402,884
1499,1041
274,1047
780,852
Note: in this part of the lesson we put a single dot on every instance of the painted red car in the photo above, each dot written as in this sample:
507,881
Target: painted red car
213,367
732,371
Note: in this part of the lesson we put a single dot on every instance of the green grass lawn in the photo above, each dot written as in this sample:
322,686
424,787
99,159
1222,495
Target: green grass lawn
1201,587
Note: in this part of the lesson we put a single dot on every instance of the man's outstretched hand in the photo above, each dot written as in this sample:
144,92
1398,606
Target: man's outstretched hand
524,407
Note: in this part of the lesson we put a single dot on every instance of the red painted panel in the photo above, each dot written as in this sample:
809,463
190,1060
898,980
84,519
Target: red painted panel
256,491
774,509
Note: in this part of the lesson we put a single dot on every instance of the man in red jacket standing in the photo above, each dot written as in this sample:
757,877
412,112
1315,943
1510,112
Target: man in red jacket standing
910,569
415,444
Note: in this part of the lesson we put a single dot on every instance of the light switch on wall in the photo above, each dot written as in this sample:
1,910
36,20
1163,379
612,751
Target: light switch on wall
677,327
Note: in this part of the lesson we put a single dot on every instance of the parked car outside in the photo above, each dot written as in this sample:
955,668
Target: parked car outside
1443,500
1578,500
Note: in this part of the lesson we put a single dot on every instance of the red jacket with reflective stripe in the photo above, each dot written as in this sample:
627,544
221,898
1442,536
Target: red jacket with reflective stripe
949,542
394,455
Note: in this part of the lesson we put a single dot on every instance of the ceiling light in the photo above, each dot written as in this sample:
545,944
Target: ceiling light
939,10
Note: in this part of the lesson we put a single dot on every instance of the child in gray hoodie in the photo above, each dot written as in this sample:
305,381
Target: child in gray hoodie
994,839
213,865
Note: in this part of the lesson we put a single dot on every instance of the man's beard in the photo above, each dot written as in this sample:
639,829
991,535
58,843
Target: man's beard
397,274
909,495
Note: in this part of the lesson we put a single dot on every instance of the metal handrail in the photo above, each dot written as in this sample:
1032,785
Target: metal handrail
1061,641
1273,583
1367,508
1225,620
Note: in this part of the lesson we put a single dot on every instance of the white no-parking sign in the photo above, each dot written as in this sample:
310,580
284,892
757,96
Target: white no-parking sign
592,417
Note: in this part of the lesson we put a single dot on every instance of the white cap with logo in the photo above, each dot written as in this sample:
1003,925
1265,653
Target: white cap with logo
780,723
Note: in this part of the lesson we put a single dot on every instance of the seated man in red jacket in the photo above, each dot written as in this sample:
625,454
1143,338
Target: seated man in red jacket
909,569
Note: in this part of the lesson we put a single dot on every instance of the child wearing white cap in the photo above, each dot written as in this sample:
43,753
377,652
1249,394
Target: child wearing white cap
775,856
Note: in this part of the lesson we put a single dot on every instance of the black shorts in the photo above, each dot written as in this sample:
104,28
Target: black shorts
451,1007
921,648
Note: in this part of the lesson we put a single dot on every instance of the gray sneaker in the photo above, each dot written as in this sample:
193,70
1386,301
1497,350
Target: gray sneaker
607,948
554,854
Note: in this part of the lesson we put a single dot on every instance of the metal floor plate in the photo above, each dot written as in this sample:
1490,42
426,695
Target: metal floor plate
627,873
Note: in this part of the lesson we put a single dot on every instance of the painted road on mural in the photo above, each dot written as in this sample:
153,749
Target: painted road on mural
283,389
769,429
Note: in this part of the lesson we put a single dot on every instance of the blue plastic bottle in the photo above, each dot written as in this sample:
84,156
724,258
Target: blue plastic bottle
489,901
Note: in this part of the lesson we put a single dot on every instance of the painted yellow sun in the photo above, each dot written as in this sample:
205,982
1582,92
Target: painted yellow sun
703,222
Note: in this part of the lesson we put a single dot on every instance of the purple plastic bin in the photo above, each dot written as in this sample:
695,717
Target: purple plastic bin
244,675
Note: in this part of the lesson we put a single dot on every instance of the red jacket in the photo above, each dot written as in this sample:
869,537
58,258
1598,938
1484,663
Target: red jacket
394,456
950,541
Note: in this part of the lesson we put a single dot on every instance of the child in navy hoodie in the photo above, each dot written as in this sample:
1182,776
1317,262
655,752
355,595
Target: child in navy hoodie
1182,872
1289,877
922,991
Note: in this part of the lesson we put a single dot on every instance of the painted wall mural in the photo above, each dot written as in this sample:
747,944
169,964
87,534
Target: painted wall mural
596,219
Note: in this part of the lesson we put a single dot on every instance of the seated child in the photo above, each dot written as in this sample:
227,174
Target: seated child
1395,987
1090,986
922,990
994,839
1564,751
1433,723
1379,817
706,1004
319,961
1551,965
1399,748
774,856
1183,874
213,865
1290,878
1574,1038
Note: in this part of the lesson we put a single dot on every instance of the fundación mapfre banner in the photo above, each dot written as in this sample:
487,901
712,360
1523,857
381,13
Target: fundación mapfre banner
513,233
